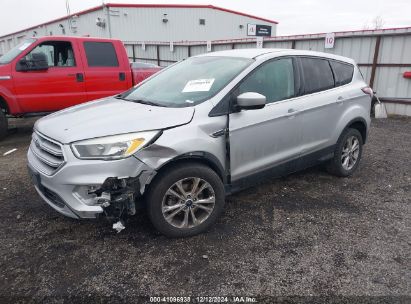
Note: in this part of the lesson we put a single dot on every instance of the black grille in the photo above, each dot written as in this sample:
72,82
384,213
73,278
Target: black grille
53,197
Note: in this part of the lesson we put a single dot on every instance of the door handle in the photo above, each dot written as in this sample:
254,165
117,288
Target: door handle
122,76
79,77
291,112
340,100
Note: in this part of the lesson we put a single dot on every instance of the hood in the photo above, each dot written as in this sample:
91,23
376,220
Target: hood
109,116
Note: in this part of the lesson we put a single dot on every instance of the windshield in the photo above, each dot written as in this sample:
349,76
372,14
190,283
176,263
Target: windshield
14,52
189,82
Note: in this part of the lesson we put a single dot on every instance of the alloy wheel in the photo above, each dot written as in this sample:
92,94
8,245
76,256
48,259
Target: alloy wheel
188,202
350,153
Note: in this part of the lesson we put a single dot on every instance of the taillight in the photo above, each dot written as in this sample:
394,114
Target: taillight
368,91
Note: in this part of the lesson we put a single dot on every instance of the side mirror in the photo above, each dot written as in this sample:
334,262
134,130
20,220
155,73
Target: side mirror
37,63
251,101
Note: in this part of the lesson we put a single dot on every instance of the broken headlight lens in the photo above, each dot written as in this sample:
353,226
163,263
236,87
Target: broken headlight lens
113,147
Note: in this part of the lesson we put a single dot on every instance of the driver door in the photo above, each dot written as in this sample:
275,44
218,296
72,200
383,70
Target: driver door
267,141
58,87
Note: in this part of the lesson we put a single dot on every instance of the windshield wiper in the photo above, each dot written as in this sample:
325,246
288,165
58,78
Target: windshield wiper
147,102
142,101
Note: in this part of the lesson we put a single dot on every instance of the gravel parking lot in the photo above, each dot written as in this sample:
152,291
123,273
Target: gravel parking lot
310,234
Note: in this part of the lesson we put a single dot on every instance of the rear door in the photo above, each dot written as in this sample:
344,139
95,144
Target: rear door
106,72
322,105
267,138
59,87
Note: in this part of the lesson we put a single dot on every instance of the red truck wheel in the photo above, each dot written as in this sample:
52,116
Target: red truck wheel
3,125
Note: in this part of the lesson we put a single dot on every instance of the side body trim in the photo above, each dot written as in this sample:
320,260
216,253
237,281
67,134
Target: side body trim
283,169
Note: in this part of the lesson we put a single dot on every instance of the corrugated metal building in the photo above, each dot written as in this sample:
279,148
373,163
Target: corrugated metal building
147,22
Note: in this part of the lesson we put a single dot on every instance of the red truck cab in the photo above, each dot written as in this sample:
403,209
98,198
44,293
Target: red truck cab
51,73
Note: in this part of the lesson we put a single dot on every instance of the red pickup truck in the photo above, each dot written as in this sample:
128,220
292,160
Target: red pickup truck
51,73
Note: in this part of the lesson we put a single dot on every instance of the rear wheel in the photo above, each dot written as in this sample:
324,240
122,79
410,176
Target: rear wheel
347,153
185,201
3,124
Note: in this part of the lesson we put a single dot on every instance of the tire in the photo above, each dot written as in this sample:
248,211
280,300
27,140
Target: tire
167,196
3,124
336,166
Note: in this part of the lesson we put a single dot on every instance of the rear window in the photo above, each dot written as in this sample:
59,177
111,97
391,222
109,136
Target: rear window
342,72
317,75
100,54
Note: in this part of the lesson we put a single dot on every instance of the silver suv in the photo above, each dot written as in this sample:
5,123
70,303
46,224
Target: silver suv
199,130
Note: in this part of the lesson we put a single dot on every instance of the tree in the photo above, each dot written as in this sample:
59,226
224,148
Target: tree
376,24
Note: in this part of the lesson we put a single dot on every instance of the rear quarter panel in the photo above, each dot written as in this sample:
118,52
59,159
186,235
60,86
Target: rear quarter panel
356,107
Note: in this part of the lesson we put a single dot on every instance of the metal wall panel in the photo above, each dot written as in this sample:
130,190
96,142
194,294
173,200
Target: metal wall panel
361,49
390,83
198,49
395,49
149,52
366,73
278,44
83,25
248,45
220,47
179,53
2,47
398,109
129,50
310,45
145,24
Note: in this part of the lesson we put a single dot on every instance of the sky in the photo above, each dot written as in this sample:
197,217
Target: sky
294,16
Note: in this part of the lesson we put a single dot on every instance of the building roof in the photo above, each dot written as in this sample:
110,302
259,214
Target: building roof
96,8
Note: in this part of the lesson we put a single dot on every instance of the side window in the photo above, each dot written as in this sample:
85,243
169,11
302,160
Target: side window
342,72
101,54
58,53
317,75
274,80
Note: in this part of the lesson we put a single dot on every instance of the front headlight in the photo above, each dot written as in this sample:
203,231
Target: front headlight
113,147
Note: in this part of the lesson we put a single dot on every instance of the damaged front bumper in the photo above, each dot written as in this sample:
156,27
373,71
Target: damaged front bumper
89,188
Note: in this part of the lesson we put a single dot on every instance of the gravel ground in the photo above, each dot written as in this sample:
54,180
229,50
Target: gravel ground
308,237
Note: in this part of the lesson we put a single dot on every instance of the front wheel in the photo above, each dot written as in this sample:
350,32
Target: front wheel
347,153
3,124
185,200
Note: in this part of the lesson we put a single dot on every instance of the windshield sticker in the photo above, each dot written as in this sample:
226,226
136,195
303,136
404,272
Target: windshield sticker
24,46
198,85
